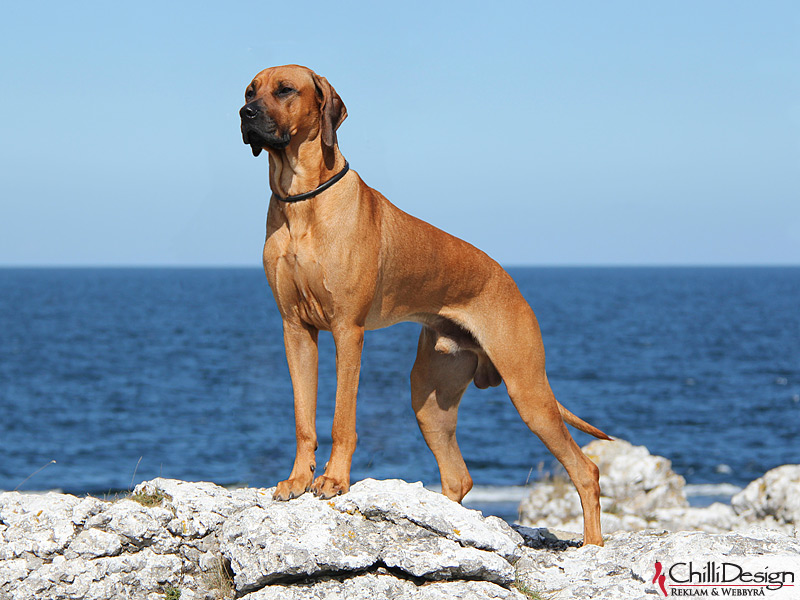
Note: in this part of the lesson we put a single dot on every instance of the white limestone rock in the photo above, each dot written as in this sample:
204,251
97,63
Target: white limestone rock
399,502
716,518
638,491
59,546
377,523
382,584
625,566
382,539
195,537
144,574
635,481
94,543
198,507
776,496
40,524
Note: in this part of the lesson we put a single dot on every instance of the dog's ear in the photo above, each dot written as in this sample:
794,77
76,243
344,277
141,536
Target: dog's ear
332,110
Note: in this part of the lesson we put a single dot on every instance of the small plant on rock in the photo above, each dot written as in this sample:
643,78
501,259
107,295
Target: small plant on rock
150,499
172,593
219,578
529,592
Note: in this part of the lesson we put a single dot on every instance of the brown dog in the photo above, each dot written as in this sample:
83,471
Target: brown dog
340,257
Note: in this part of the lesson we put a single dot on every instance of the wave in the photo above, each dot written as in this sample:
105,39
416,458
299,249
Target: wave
711,489
488,494
491,494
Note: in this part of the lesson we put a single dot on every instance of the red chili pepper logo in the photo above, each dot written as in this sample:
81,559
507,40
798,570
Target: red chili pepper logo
660,578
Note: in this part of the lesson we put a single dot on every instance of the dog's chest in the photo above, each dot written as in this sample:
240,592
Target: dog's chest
297,273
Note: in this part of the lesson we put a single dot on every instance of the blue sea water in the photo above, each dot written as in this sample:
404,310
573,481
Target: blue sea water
121,375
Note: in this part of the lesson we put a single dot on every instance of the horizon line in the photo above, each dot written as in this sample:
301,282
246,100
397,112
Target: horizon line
621,265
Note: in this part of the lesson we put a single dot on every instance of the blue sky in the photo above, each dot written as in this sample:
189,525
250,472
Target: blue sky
545,133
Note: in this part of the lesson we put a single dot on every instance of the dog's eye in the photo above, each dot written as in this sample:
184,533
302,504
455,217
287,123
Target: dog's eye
284,91
249,93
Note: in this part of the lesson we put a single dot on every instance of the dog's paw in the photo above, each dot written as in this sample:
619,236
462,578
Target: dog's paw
289,489
326,487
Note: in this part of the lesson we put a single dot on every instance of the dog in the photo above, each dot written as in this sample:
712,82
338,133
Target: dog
340,257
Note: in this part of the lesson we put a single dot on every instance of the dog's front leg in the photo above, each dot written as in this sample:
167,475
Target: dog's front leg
336,479
302,355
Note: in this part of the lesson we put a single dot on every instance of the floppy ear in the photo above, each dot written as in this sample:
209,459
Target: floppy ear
332,110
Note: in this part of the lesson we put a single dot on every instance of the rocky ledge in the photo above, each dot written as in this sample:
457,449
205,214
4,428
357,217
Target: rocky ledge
384,539
174,539
641,491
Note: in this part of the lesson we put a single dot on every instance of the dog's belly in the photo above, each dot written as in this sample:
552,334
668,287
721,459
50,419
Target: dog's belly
451,338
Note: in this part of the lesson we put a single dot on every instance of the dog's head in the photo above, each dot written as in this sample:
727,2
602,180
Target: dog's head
284,103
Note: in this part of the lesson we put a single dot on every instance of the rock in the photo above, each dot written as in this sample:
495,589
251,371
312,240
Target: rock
38,524
136,525
94,543
57,545
776,496
633,484
399,502
640,491
383,539
389,523
635,481
382,584
625,567
552,539
143,574
208,542
198,507
717,518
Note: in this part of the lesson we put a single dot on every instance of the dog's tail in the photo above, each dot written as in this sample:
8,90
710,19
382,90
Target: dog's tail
579,423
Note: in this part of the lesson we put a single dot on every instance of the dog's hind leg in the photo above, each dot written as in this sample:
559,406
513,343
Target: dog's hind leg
438,380
538,408
512,340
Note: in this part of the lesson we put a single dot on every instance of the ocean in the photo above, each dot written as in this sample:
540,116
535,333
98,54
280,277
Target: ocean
122,375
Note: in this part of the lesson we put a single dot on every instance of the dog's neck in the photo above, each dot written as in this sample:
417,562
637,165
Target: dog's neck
297,170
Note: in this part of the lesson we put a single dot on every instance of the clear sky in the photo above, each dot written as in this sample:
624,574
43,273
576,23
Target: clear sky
545,133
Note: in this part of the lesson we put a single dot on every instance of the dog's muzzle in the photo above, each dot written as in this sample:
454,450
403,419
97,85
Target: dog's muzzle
259,130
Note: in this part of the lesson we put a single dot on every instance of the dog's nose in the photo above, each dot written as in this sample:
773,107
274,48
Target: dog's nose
249,111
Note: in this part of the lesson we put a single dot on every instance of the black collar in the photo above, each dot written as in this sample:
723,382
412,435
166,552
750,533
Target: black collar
317,190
